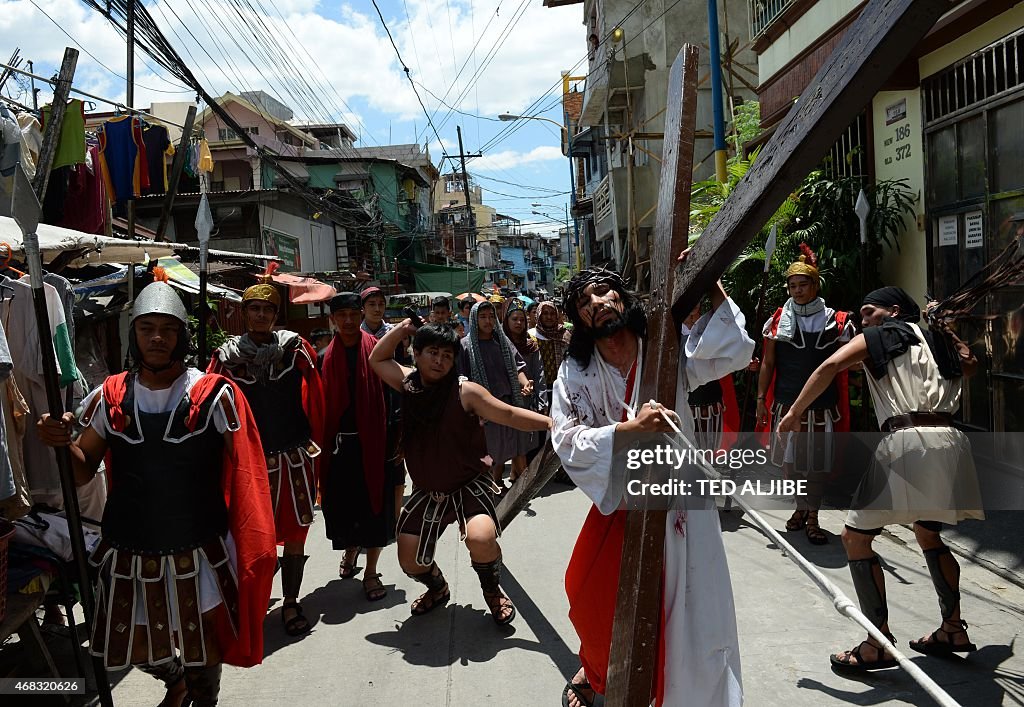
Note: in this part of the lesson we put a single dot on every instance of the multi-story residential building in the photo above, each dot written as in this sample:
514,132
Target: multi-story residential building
950,120
338,208
460,242
617,119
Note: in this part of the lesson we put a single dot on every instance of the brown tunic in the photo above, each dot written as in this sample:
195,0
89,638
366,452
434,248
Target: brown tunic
447,457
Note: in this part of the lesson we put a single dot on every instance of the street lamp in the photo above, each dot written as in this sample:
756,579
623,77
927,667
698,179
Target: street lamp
567,138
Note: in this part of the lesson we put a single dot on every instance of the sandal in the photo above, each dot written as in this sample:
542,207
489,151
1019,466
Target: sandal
348,570
373,588
797,521
428,601
933,646
815,534
844,662
577,688
298,624
503,604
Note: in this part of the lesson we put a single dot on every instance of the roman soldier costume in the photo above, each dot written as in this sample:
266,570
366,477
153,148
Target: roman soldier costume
187,528
282,386
804,336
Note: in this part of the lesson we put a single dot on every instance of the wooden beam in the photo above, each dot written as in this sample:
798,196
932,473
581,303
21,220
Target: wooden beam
527,486
177,167
51,134
633,664
880,39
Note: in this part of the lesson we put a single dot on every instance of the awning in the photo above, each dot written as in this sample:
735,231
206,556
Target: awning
305,290
97,250
184,279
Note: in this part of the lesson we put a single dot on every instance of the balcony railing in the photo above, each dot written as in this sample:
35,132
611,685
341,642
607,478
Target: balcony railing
764,12
602,199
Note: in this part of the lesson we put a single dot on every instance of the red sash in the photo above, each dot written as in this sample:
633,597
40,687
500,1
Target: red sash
592,585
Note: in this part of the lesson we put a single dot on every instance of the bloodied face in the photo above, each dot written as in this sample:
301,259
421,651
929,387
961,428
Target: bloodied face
601,309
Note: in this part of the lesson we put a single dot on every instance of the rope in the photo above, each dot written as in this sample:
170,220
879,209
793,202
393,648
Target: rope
840,601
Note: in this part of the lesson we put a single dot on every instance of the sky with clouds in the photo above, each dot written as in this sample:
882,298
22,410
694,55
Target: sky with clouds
333,61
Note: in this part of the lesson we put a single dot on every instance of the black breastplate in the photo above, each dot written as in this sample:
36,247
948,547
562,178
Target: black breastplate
165,493
277,407
707,394
795,362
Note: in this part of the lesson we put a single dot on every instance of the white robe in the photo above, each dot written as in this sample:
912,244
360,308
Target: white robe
702,660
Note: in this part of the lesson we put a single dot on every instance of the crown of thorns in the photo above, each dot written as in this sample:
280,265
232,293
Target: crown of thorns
591,276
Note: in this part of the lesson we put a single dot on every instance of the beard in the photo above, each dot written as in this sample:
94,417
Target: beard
610,326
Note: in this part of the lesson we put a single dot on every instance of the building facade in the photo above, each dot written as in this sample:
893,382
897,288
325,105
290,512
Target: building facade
949,120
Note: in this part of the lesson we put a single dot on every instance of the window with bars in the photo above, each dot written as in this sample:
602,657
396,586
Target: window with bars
986,74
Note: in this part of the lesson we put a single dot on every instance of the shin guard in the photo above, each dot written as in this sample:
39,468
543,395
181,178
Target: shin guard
291,574
941,564
433,582
203,685
870,585
489,574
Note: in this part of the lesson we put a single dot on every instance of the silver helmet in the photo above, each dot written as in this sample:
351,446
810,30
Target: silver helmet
159,298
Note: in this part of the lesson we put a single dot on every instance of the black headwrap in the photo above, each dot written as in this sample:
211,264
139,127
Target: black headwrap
890,297
345,300
581,341
895,336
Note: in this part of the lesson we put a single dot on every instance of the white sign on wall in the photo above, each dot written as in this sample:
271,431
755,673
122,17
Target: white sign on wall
948,230
974,236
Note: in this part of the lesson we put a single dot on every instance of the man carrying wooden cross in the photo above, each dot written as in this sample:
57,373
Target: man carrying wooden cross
594,397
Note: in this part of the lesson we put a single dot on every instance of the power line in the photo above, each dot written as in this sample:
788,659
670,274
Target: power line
407,73
94,58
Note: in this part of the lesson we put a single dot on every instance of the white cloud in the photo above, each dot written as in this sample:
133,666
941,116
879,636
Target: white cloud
511,158
351,56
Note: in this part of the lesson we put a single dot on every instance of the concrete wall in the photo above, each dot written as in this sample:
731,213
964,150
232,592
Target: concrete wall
818,20
315,240
899,154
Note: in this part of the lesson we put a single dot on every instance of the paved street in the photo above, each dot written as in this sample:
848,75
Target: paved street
362,654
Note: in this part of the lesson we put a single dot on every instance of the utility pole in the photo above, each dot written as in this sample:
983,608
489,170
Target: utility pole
130,100
471,236
35,91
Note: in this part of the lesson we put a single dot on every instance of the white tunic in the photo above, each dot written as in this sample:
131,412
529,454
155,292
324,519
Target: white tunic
702,660
918,473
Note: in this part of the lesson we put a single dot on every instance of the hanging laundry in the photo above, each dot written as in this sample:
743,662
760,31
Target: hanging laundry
158,147
56,195
123,158
205,162
10,142
18,318
71,145
31,142
85,207
7,484
16,419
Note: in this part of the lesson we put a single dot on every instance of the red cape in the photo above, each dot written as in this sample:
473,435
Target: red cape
371,417
250,516
592,587
842,385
